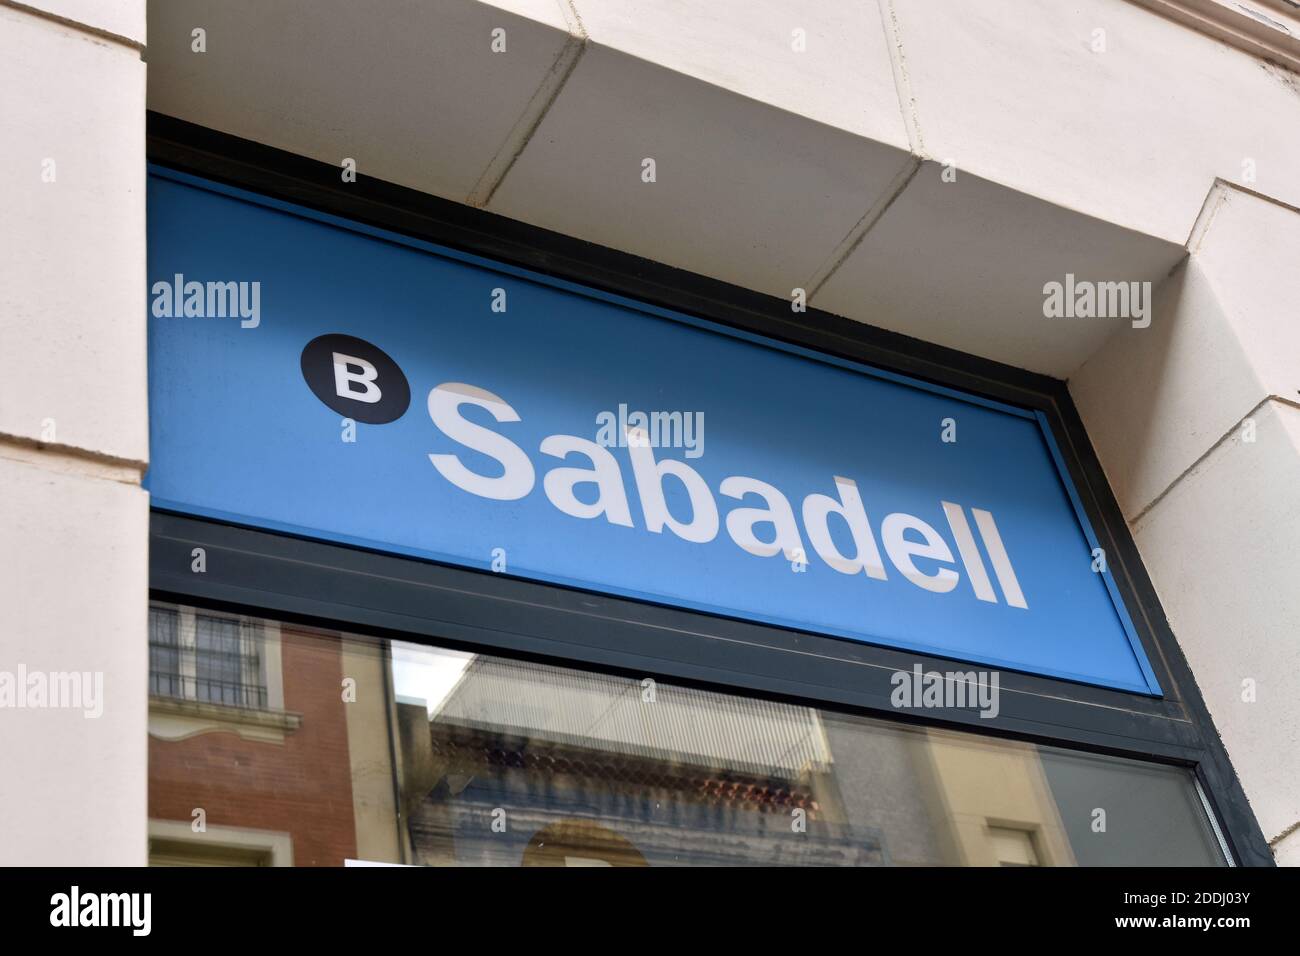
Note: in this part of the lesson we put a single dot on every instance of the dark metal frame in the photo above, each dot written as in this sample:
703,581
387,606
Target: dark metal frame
315,582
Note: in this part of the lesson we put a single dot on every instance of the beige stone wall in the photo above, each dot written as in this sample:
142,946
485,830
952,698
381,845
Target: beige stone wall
73,427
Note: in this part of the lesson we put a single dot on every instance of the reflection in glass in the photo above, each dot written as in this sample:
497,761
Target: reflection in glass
358,749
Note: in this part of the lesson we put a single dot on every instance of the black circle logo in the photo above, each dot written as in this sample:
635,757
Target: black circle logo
355,379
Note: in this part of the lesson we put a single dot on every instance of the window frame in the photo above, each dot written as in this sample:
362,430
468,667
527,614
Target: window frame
253,633
250,571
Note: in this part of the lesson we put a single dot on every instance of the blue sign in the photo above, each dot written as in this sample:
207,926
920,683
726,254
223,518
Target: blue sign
312,375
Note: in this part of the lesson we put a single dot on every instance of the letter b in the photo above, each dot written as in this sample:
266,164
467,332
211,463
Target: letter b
649,475
350,370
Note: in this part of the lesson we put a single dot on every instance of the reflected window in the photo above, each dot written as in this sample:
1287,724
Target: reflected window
200,656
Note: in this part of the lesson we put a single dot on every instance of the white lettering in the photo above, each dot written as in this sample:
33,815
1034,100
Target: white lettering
817,510
611,499
741,521
365,374
906,538
649,475
444,408
901,551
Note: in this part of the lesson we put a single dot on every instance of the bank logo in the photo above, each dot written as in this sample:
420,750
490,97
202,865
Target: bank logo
360,381
906,538
355,379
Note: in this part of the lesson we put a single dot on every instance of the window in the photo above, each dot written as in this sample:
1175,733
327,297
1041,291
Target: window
1013,847
205,657
173,843
215,673
413,754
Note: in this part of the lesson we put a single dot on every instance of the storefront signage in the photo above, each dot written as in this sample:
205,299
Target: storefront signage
317,377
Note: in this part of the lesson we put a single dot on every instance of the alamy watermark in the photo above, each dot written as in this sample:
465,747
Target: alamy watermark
53,690
208,300
651,429
976,690
1085,299
75,908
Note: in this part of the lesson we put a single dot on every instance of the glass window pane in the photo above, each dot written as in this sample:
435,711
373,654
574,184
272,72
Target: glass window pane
164,652
227,668
217,660
387,752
